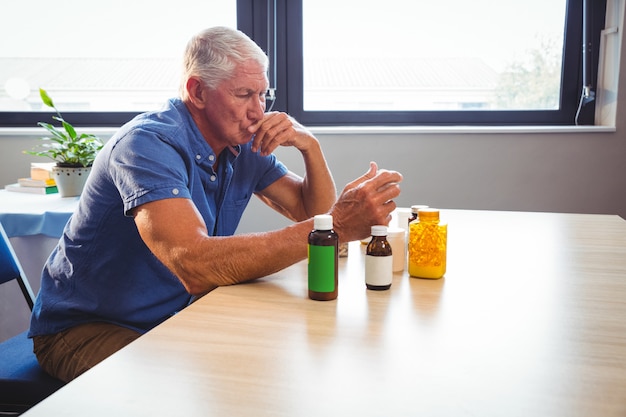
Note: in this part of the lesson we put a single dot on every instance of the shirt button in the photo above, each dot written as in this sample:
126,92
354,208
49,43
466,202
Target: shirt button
211,157
198,157
175,191
213,177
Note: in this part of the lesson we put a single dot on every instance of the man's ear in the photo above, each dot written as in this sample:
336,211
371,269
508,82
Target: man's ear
195,90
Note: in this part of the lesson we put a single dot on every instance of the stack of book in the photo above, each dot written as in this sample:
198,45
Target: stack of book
39,182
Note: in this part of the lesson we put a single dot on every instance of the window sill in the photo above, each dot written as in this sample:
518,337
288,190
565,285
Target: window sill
347,130
366,130
39,132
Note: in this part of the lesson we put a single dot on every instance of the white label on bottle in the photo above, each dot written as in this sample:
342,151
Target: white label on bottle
378,270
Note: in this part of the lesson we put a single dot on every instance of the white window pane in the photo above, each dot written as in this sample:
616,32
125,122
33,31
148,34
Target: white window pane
114,55
432,55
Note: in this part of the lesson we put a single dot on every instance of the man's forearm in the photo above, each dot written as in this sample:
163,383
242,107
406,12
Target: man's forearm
318,188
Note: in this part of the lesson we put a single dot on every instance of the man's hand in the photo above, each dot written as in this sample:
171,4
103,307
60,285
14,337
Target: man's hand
279,129
365,202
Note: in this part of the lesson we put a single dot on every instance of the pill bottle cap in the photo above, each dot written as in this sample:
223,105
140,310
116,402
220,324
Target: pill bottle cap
323,222
428,214
379,230
395,231
403,210
415,208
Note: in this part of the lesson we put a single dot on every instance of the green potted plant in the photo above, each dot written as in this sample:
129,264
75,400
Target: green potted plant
73,153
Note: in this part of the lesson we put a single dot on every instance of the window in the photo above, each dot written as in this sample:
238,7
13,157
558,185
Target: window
455,62
101,62
348,62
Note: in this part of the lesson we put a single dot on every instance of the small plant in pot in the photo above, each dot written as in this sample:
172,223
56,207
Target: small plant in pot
74,154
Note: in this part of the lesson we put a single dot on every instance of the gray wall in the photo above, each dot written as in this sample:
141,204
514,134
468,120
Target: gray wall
560,172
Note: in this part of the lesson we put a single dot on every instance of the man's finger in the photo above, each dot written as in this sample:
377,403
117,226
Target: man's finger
371,173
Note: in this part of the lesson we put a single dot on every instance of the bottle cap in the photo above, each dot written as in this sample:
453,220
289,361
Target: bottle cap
323,222
395,231
379,230
415,208
428,214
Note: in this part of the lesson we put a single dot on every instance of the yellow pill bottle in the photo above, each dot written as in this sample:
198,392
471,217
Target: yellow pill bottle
428,240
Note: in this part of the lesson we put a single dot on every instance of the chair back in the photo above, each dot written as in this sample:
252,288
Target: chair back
11,269
22,382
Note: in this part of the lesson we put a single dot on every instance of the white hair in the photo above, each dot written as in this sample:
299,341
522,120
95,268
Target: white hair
213,54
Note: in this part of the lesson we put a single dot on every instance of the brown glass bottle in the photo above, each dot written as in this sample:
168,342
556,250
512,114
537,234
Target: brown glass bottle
414,210
378,261
323,259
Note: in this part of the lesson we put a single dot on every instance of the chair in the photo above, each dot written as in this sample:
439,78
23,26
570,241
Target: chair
22,382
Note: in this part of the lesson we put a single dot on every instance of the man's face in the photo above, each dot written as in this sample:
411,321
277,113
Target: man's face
237,104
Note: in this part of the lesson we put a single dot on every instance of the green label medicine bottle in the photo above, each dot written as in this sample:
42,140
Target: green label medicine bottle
378,261
323,259
427,245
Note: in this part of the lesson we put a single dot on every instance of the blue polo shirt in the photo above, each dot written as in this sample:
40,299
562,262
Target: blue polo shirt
101,270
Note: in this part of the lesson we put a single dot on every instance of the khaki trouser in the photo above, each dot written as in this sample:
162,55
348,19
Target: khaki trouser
68,354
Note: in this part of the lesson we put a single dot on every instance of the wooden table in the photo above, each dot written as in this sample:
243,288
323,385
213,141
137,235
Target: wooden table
530,320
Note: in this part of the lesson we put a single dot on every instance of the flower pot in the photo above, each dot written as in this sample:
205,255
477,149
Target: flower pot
70,181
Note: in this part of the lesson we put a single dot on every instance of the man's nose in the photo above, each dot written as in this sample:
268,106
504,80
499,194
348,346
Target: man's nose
258,109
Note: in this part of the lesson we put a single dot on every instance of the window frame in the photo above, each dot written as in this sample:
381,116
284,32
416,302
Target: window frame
286,36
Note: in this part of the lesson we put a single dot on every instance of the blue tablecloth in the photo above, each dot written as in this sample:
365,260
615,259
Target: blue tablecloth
24,214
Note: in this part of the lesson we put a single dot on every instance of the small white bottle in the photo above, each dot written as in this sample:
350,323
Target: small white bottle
396,236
